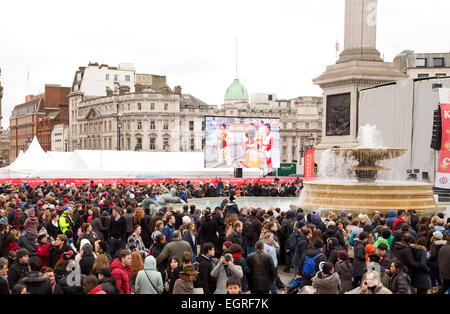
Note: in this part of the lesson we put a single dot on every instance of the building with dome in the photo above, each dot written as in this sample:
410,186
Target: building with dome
169,120
236,94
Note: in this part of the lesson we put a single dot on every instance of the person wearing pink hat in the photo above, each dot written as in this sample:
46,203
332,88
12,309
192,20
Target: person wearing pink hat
12,251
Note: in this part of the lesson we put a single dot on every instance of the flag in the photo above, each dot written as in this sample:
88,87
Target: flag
337,46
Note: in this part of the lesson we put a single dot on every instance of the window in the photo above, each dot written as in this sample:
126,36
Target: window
166,144
107,77
128,143
152,106
166,125
284,150
270,97
192,144
294,126
152,143
284,125
139,143
128,107
139,106
441,75
127,78
422,75
139,124
203,125
191,125
152,125
166,107
306,125
116,77
421,62
438,62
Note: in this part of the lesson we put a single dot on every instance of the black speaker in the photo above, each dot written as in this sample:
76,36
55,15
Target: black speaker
238,172
436,139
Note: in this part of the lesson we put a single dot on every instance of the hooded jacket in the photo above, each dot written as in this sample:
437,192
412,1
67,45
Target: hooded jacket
419,277
444,265
380,289
31,223
344,270
391,217
148,280
37,283
403,252
435,249
122,275
332,232
359,262
327,284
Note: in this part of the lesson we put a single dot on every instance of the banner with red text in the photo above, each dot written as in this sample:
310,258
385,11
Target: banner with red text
443,173
309,163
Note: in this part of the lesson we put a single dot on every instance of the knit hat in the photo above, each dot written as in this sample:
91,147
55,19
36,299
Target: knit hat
13,246
21,253
438,235
314,215
300,216
228,244
65,200
300,224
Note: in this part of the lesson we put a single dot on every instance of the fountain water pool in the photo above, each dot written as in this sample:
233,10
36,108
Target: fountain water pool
365,194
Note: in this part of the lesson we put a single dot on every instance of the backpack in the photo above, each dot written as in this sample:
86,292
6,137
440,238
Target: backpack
292,241
249,230
309,266
18,219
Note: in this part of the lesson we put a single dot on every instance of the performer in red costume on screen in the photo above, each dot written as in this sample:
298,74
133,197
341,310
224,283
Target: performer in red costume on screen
267,145
222,146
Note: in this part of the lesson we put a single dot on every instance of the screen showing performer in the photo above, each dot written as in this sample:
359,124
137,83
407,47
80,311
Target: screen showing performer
242,142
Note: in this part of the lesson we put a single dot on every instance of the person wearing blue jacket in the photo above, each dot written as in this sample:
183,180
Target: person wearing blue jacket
190,236
169,228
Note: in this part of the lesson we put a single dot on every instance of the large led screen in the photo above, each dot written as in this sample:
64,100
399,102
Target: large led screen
242,142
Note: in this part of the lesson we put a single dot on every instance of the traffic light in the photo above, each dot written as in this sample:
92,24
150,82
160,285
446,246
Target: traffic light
436,139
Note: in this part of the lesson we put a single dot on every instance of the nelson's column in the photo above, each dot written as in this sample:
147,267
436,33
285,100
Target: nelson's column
359,66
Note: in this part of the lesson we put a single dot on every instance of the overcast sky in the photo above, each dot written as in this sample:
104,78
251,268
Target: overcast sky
282,44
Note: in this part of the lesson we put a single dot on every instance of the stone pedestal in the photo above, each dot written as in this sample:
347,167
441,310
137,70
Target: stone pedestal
358,67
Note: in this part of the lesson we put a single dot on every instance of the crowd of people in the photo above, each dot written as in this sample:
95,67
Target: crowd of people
275,189
94,239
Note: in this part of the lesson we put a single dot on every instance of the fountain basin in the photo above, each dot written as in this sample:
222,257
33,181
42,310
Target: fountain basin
365,198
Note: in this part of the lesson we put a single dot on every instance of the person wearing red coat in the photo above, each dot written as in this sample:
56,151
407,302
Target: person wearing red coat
91,286
120,269
42,248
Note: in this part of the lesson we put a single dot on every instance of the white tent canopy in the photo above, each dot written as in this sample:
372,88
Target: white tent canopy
35,163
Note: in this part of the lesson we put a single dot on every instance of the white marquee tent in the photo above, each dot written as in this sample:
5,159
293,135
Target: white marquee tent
35,163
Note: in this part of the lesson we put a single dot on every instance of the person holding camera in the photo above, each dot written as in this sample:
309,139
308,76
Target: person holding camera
224,270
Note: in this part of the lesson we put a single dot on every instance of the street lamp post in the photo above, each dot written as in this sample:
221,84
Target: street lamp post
311,141
28,142
119,126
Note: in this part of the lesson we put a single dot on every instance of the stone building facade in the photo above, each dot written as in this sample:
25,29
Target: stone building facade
174,121
423,65
31,118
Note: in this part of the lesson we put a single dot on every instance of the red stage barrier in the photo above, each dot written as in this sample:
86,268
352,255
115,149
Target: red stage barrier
35,182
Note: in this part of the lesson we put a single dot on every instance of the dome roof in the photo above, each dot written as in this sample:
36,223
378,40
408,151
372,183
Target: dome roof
236,91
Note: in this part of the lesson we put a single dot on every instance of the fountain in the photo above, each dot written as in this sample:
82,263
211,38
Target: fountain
366,194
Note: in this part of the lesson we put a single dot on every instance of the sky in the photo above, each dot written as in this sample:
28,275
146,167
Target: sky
282,44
